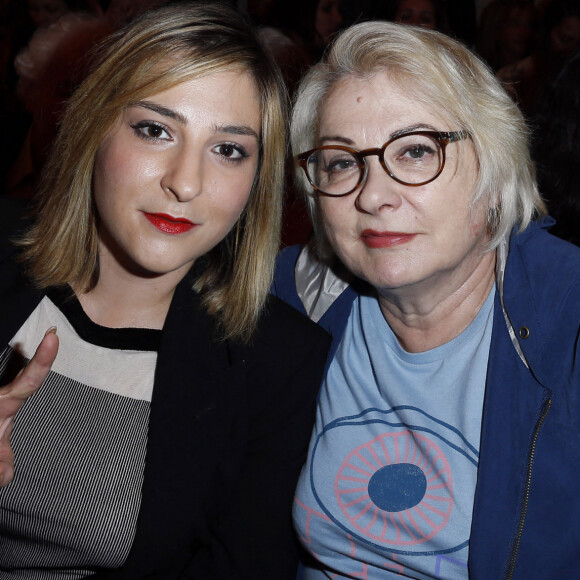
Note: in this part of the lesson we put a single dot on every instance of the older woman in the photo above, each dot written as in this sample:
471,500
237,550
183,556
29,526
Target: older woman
169,433
447,436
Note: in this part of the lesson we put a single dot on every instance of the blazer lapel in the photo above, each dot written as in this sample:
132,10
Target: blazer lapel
196,393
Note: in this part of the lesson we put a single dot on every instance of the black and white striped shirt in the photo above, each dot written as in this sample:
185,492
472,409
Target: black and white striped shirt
79,446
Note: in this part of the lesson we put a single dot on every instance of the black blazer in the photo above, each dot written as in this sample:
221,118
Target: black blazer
229,430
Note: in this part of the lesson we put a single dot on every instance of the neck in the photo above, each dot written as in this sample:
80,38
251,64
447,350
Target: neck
423,320
124,299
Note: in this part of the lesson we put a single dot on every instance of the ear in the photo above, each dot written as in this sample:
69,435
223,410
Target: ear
493,217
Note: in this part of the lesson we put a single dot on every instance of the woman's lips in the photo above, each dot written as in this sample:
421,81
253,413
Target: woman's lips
374,239
169,224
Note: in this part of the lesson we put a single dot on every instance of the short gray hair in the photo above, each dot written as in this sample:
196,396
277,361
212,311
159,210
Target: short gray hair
448,78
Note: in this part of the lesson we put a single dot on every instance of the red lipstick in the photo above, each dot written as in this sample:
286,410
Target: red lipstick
375,239
169,224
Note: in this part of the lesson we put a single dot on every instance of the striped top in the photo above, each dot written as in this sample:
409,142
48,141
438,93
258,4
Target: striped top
79,445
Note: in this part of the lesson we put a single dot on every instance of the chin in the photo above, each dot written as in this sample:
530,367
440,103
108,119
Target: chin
385,275
156,267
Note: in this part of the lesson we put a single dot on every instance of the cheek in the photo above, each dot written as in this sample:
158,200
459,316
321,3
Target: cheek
100,183
111,181
468,223
230,201
244,191
329,215
338,223
240,199
117,172
478,222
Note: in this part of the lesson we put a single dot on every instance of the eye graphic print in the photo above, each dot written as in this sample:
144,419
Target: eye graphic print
398,482
394,485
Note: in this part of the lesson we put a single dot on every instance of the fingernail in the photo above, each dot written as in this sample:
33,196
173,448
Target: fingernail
52,330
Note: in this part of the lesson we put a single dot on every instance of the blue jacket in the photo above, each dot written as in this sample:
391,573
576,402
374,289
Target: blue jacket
526,515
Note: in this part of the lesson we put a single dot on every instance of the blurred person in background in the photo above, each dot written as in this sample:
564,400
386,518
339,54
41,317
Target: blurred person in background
426,13
49,69
556,151
297,33
559,39
506,32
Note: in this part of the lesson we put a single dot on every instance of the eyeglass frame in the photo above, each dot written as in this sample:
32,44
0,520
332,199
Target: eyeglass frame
443,138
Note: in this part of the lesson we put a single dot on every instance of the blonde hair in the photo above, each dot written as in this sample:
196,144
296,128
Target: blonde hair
161,49
448,78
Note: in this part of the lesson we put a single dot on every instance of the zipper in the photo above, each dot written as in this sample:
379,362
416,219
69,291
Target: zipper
526,496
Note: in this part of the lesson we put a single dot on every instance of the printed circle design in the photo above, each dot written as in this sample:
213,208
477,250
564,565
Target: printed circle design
369,489
398,487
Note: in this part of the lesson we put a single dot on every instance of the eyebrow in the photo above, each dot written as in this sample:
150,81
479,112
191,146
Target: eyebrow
182,120
161,110
237,130
398,133
411,128
344,140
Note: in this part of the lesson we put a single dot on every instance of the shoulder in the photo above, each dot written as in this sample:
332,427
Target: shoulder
8,251
14,217
284,365
286,259
325,292
284,284
285,345
18,294
14,220
542,295
283,325
547,263
11,271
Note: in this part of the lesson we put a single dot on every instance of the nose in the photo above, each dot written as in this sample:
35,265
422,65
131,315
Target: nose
183,173
379,190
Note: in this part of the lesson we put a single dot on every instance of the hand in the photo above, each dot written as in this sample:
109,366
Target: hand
14,394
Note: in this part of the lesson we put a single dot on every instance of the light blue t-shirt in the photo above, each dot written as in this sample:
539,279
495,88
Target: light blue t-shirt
388,487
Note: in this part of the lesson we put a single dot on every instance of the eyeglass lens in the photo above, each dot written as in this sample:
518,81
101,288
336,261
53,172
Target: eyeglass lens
411,159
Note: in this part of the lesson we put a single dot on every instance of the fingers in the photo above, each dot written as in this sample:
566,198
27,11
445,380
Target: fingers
13,395
35,372
6,457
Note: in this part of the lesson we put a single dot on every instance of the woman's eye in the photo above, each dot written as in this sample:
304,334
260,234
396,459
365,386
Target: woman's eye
155,132
230,151
418,151
151,131
341,164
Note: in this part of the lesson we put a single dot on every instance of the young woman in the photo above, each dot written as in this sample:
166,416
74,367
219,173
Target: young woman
167,437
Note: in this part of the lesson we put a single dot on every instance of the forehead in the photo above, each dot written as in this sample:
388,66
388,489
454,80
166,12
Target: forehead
376,104
229,92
